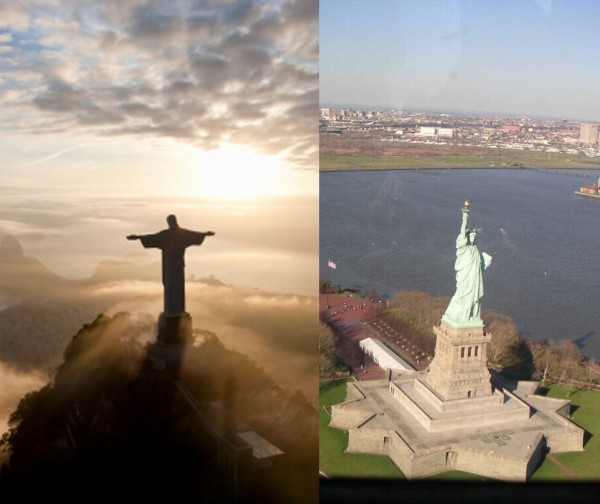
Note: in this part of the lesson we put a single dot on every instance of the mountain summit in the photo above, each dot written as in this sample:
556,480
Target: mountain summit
24,275
191,422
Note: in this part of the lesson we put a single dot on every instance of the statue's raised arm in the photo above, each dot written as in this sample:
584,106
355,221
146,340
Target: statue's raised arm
465,218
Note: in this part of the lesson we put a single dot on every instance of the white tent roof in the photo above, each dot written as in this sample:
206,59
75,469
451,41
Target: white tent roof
383,355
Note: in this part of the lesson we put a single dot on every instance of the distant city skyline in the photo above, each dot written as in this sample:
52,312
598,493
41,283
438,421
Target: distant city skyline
448,112
537,59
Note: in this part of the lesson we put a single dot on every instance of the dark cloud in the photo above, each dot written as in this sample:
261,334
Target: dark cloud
200,21
245,110
62,97
151,21
96,115
301,11
138,109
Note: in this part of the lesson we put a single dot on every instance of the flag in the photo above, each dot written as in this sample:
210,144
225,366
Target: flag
331,264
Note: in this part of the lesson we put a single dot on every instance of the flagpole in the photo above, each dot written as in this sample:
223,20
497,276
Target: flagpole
333,266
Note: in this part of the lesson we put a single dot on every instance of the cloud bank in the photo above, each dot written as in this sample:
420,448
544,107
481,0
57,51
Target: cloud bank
278,331
15,385
199,71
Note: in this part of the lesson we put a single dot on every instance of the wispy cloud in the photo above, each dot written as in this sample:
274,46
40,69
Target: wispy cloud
53,155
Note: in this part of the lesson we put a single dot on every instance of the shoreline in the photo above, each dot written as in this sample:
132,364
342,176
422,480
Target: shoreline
442,157
382,163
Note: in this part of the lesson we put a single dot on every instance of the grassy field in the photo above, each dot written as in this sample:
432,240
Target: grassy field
497,158
335,463
587,463
332,443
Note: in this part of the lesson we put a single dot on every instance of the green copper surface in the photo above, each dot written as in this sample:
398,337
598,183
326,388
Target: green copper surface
464,309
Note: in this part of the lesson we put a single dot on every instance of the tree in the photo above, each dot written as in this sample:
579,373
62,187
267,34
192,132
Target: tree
560,361
570,367
593,375
327,353
545,359
423,310
324,286
503,349
372,294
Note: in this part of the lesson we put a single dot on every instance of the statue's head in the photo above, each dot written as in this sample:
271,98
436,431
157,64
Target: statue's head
172,221
472,234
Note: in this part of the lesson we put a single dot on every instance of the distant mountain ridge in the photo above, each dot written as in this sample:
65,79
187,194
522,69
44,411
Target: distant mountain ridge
39,310
113,269
10,249
23,275
19,274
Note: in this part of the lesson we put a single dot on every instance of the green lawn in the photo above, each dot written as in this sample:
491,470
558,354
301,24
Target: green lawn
332,443
587,463
335,463
497,158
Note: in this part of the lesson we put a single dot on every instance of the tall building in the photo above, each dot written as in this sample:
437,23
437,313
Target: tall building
325,113
428,131
588,134
445,132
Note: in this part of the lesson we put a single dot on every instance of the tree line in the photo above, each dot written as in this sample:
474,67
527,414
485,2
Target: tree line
549,361
414,313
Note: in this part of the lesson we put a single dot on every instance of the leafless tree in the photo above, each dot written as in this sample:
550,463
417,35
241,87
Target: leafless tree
327,354
505,338
545,359
570,364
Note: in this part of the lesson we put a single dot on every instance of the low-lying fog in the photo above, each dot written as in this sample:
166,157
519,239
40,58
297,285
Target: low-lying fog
253,284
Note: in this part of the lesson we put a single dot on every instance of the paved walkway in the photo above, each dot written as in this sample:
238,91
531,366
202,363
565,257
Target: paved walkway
347,315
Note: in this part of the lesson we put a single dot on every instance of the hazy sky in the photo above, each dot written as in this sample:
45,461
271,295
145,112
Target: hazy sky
523,57
115,113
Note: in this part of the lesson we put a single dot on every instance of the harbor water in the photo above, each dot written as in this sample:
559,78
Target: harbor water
396,230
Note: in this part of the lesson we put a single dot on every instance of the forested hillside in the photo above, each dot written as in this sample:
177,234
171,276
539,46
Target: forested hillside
126,419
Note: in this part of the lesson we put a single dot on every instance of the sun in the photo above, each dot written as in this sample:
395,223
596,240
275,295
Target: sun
235,172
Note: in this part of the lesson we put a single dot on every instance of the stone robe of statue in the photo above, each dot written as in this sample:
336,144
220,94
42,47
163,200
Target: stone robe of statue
173,242
465,306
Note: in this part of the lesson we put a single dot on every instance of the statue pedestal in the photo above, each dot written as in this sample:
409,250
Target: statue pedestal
175,330
459,368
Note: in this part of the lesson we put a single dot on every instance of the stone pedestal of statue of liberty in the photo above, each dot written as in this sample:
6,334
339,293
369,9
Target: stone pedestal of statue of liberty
174,324
459,368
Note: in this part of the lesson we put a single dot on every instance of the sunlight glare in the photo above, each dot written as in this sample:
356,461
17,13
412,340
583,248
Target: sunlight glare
236,172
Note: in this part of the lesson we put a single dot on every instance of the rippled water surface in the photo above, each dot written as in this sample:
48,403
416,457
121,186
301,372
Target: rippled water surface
396,230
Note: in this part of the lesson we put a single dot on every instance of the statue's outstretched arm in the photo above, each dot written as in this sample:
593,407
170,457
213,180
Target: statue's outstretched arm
133,237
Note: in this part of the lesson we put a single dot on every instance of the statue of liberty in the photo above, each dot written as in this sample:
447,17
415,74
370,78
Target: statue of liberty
464,309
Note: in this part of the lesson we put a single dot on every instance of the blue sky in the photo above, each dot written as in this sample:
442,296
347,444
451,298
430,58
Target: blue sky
514,57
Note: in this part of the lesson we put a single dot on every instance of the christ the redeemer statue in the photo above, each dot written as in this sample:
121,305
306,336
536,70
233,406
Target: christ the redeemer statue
173,242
